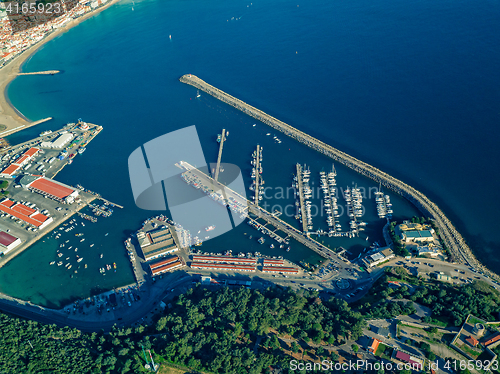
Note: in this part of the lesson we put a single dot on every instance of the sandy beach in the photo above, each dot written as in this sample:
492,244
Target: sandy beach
10,118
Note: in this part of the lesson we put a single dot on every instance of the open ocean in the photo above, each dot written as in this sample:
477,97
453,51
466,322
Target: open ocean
410,87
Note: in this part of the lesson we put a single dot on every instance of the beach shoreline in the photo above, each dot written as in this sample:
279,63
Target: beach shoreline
10,117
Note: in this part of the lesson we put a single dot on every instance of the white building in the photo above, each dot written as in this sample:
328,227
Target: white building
60,142
8,242
377,258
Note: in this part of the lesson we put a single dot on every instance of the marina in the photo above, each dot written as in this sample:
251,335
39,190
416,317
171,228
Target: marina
448,233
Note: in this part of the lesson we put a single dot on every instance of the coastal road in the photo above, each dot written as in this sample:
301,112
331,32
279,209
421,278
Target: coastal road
128,317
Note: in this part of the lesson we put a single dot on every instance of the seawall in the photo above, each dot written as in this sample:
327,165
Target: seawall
453,240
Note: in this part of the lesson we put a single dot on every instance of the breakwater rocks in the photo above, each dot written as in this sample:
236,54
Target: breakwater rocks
453,240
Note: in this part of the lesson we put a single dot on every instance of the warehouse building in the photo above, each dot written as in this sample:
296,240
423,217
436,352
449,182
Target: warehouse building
28,215
60,142
280,269
226,259
8,242
231,267
50,188
166,265
16,165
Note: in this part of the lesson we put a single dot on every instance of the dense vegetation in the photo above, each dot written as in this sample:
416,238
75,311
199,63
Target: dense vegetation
449,303
215,331
222,331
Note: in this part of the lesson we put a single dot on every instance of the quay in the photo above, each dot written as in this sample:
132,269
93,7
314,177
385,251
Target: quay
451,238
211,186
219,157
301,199
46,72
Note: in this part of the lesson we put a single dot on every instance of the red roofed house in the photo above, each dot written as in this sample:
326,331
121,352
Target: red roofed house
414,362
491,339
48,187
8,242
472,341
374,346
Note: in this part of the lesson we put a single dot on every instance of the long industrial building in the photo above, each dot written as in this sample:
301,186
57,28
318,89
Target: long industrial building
226,259
165,265
271,262
15,166
55,190
280,269
205,265
8,242
30,216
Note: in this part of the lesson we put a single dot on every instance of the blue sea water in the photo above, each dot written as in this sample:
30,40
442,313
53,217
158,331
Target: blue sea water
411,87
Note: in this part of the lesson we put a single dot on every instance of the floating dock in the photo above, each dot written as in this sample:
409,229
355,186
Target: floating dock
301,199
258,167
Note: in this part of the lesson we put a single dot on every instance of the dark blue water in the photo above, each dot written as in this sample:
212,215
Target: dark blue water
411,87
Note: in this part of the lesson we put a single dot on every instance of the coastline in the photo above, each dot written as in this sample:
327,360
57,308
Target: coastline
9,116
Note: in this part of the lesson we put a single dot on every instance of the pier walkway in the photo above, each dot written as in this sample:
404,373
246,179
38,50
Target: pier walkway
212,186
301,199
257,175
451,238
221,145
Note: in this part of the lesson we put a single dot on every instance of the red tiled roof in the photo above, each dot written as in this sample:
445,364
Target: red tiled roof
492,339
166,267
6,239
163,262
39,217
8,203
21,159
374,346
31,152
280,269
16,212
472,341
51,188
222,266
23,209
224,259
11,169
403,356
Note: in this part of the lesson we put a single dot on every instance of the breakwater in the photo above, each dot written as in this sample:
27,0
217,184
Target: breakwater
451,238
47,72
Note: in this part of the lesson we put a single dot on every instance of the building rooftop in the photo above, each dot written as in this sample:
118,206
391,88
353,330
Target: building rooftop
52,188
6,239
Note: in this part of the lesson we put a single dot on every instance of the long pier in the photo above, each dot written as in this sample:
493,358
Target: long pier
257,175
219,157
46,72
22,127
451,238
301,199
